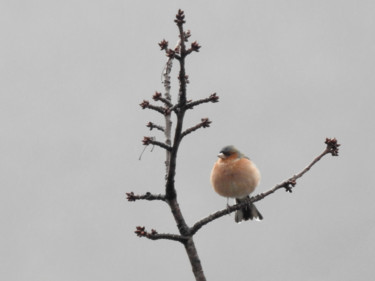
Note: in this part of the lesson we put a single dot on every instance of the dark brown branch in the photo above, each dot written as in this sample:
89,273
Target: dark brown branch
154,126
180,18
194,48
204,124
182,75
146,104
154,235
332,148
179,218
151,140
212,98
158,97
194,260
131,197
163,45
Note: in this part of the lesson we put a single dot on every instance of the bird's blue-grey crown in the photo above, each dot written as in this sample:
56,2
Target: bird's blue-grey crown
230,150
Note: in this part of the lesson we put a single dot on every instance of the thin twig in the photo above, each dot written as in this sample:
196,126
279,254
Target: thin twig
167,236
151,140
154,235
204,124
146,104
194,48
130,196
154,126
212,98
157,96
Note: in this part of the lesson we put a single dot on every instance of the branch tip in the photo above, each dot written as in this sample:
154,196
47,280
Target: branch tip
144,104
163,45
156,96
214,98
180,18
130,196
332,146
141,231
154,126
147,140
206,122
195,46
151,140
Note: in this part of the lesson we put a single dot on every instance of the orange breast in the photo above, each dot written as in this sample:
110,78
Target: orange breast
235,178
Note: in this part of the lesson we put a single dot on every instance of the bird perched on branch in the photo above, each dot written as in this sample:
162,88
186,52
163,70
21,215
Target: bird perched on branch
235,176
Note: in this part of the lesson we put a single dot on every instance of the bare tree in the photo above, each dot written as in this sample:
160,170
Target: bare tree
168,109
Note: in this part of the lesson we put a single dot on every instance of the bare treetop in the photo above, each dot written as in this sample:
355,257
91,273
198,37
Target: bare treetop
171,143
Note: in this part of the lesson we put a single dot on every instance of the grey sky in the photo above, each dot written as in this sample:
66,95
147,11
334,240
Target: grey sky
288,73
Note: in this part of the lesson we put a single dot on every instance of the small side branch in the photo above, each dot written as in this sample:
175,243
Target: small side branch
193,48
204,124
198,225
151,140
332,148
212,98
154,235
146,104
131,197
158,97
154,126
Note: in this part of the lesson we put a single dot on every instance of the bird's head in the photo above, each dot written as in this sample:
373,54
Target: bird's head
229,152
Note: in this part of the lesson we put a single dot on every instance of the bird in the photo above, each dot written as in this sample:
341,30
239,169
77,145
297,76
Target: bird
234,175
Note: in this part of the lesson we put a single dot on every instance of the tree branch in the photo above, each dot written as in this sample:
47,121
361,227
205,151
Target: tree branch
193,48
151,140
168,122
154,126
157,97
154,235
332,148
146,104
212,98
131,197
204,124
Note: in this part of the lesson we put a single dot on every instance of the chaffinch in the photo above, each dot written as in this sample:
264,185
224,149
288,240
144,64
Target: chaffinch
235,176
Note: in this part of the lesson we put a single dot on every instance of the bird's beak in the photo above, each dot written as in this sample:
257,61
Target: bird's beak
221,155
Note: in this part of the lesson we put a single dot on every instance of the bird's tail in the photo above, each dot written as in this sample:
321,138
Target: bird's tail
247,212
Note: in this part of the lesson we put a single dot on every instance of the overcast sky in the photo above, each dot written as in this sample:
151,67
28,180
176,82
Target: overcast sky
288,73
